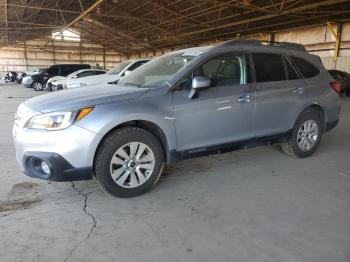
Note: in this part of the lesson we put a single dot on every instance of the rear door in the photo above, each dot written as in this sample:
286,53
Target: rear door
219,114
278,88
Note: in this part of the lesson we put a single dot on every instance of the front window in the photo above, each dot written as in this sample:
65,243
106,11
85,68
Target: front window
118,68
159,70
222,70
227,69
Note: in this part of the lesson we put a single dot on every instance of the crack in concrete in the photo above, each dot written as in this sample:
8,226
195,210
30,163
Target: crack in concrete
94,221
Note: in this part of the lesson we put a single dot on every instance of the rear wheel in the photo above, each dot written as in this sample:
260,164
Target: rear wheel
306,136
129,162
37,86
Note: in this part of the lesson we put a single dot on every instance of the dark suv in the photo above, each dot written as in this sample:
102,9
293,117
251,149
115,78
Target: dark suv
184,104
38,80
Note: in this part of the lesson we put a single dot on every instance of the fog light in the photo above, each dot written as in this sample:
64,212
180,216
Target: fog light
45,167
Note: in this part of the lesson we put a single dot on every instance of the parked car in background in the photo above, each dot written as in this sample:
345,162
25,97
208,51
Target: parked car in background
38,80
184,104
112,76
21,75
344,79
10,76
59,82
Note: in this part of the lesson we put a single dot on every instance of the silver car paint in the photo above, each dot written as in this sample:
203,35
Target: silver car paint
185,123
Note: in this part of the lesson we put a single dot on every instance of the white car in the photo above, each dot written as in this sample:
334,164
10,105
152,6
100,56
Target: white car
59,82
112,76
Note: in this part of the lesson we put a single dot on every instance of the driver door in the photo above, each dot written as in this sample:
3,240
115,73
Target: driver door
219,114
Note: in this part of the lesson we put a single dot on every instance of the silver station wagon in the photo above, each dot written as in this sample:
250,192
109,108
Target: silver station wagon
188,103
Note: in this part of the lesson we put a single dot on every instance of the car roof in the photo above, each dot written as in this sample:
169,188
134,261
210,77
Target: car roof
88,69
70,65
193,50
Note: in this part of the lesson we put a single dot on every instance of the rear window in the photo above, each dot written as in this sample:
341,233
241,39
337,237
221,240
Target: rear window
291,73
268,67
307,69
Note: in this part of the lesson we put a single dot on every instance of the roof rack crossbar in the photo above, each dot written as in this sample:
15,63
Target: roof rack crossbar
288,45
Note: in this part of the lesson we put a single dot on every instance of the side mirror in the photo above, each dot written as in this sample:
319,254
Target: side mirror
199,82
75,76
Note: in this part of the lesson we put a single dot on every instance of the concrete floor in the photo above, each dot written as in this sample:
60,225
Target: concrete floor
249,205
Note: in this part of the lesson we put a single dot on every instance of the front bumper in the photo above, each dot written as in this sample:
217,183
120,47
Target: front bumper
60,169
69,152
331,125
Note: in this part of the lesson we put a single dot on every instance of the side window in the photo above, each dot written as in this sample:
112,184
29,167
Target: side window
227,69
307,69
268,67
53,70
98,72
66,70
291,73
83,74
136,65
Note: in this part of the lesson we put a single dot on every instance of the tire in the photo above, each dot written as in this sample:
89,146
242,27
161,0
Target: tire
37,86
295,146
110,161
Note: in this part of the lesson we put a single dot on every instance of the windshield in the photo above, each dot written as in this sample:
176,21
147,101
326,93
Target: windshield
159,70
118,68
72,74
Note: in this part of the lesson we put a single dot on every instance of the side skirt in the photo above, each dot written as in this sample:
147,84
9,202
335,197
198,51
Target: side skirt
176,156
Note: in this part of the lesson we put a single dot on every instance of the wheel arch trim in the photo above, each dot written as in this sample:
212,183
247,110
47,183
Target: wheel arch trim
154,128
309,107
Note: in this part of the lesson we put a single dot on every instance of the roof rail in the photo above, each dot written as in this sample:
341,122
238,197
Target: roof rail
247,42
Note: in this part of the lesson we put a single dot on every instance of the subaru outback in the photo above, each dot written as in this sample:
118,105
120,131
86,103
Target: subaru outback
188,103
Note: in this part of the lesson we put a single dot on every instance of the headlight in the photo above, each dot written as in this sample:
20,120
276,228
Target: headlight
57,120
75,85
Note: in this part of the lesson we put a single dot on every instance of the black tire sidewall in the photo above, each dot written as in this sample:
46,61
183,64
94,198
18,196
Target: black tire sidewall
111,144
309,115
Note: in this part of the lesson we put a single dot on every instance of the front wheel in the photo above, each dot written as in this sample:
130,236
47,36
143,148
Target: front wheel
37,86
306,135
129,162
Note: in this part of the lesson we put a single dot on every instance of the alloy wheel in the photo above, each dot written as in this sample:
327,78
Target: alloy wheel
132,164
307,135
38,86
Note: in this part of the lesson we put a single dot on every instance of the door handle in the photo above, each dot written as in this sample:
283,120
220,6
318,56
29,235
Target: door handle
298,91
245,98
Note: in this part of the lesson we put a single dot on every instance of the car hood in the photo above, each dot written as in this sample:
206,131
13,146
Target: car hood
84,96
93,80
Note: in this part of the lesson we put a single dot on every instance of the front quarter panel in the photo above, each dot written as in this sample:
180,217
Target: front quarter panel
155,106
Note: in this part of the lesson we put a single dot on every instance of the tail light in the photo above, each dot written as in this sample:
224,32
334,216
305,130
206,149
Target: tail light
336,86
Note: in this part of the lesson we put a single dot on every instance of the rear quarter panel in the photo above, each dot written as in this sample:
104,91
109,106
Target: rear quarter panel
319,92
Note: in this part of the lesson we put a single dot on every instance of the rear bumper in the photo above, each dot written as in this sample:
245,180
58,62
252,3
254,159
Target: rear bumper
331,125
60,169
